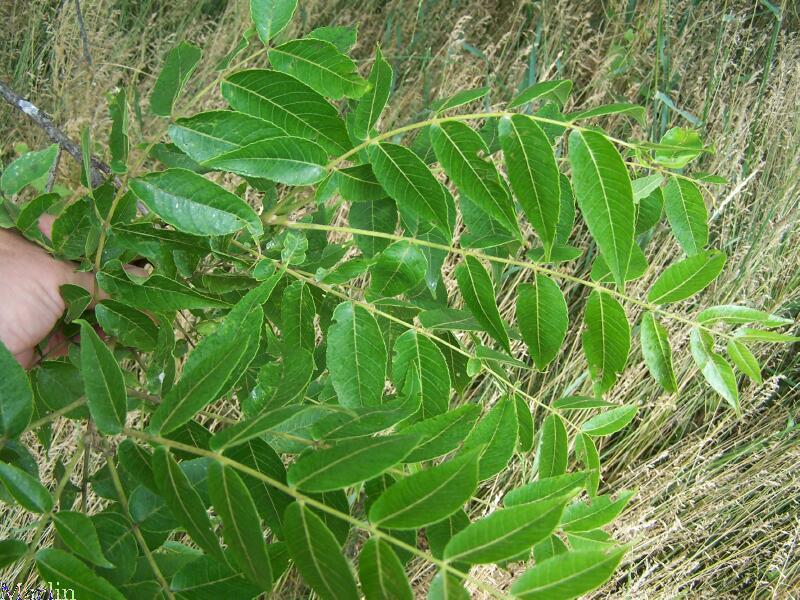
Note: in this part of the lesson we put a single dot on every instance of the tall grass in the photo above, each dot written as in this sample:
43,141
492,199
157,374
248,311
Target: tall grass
717,507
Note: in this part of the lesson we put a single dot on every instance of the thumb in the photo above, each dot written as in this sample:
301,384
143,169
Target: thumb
46,225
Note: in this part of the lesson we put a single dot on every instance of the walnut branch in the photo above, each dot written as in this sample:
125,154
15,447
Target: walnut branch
100,170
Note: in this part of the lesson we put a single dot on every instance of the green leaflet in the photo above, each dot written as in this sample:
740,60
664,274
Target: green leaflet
744,359
557,90
349,461
317,555
457,148
356,356
118,138
130,326
678,147
758,335
270,502
283,159
271,16
184,502
427,496
11,551
605,197
397,269
505,533
417,356
542,318
381,573
495,436
77,300
26,490
321,66
545,489
206,577
580,403
105,387
195,205
567,575
208,135
636,111
370,105
157,292
606,339
136,461
241,526
477,290
357,422
77,532
687,214
533,174
446,586
735,314
548,548
179,65
685,278
206,374
297,316
358,184
553,450
72,573
657,352
442,433
282,383
586,453
16,396
636,267
29,213
378,215
344,38
524,425
717,372
599,511
27,169
288,104
610,421
409,182
459,99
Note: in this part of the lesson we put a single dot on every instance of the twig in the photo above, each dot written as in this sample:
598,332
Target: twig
84,37
51,177
100,170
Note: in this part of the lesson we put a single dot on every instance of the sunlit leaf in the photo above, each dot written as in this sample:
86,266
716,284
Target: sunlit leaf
657,352
542,318
687,214
685,278
179,65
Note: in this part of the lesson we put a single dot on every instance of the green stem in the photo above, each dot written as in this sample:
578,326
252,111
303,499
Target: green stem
297,495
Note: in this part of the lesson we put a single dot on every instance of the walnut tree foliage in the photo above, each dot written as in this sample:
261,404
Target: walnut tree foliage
312,418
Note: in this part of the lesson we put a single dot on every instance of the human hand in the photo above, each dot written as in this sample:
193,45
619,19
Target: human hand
30,300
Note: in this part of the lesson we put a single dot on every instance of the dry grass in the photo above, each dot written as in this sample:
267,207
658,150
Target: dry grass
716,512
